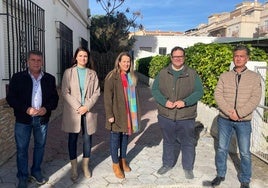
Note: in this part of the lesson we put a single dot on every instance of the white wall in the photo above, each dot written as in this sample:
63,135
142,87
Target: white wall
56,11
155,42
2,64
74,17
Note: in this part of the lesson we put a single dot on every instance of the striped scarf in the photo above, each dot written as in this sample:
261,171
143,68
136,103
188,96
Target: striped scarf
131,103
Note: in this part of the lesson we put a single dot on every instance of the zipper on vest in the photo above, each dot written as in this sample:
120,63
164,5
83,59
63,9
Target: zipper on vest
237,80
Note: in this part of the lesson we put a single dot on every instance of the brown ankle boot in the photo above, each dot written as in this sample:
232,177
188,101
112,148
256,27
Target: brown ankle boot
124,165
74,174
85,168
117,171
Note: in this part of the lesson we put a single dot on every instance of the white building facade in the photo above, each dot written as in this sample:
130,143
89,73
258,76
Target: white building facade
153,45
55,27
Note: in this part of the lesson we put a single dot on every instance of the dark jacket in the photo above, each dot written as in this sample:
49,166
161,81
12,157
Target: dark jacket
187,85
19,95
114,103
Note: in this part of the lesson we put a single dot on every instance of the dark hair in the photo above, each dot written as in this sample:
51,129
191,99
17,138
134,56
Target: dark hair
242,47
90,63
34,52
177,48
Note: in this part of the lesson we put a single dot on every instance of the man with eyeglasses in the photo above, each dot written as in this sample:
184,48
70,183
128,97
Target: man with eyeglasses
177,89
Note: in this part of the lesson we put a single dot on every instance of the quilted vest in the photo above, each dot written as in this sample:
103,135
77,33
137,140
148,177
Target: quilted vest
177,90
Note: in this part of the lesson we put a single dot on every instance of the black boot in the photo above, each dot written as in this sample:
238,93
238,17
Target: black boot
217,180
244,185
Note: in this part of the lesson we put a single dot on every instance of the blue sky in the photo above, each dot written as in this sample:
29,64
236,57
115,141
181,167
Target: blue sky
172,15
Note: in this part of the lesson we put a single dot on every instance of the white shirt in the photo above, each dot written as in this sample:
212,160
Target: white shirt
37,91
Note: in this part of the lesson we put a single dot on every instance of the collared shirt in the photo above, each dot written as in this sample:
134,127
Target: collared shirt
37,91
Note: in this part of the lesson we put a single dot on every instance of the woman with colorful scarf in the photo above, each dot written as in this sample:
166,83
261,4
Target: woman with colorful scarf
122,110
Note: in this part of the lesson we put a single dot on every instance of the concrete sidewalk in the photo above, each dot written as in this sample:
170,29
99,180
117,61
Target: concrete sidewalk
144,155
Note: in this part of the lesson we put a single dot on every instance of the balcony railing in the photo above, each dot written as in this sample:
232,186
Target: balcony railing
263,29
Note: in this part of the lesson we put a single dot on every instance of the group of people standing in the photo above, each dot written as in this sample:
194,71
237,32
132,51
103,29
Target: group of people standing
176,89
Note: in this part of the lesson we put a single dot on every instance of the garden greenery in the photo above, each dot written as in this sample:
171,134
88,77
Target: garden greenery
209,60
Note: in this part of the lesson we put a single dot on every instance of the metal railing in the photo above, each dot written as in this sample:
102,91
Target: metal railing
65,43
259,143
23,30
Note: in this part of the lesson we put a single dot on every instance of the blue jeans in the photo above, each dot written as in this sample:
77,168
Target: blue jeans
118,140
243,133
87,142
182,133
22,137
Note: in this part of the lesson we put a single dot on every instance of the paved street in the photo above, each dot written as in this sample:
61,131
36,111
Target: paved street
144,155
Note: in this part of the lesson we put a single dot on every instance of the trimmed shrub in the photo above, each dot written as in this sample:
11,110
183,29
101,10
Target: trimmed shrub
157,63
143,64
209,60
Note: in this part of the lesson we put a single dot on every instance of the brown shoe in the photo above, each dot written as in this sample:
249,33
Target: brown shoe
123,164
117,171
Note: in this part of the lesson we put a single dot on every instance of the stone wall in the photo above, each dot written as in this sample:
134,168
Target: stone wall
7,142
7,120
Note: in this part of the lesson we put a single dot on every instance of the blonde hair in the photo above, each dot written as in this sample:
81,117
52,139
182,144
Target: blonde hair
131,69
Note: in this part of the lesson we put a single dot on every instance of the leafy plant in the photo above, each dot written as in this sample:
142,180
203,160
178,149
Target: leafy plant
143,65
157,63
209,60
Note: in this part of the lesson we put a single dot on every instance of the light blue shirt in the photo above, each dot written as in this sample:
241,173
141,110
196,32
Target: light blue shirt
37,91
82,77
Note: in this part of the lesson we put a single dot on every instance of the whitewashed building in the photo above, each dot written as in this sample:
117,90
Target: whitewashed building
149,45
55,27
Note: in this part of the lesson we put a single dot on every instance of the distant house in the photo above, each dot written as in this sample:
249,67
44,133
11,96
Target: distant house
153,45
248,19
56,28
247,23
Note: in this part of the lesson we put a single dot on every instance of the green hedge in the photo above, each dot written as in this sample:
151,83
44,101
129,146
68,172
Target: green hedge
209,60
143,64
157,63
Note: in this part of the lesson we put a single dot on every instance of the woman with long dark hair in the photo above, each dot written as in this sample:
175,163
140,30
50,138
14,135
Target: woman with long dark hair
80,91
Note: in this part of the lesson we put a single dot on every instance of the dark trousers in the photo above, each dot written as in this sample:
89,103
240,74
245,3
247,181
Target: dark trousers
179,133
23,134
118,141
87,141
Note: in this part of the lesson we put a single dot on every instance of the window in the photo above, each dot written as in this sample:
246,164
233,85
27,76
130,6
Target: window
148,49
162,50
65,51
23,30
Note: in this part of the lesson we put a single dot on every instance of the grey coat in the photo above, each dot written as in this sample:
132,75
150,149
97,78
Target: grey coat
71,120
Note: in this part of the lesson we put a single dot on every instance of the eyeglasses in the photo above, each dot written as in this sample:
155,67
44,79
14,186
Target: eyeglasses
177,57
